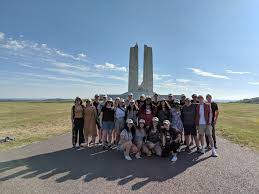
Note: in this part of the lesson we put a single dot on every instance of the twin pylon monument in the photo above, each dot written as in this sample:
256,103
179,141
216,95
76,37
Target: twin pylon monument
146,87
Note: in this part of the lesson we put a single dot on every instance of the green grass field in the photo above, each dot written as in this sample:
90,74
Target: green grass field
33,121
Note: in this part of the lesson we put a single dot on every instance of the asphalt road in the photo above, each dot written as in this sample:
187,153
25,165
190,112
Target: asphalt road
52,166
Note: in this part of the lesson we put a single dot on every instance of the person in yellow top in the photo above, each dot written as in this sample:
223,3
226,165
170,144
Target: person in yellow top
77,119
90,118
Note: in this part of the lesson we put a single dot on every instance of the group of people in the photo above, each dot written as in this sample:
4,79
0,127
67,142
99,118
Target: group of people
146,126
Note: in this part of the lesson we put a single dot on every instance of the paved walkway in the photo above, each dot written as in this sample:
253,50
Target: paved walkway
53,167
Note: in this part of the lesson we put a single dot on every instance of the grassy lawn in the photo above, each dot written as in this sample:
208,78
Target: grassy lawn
240,123
33,121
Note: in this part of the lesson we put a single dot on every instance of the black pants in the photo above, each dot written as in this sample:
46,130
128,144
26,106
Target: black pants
78,128
213,136
174,146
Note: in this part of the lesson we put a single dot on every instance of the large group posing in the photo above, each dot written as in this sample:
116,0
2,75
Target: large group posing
147,126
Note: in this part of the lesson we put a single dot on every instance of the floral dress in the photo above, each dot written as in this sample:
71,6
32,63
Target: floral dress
176,121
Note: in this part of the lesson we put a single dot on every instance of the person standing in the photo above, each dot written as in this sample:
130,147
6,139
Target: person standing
132,112
90,116
170,100
141,100
215,114
147,111
77,119
182,100
120,115
101,105
163,111
203,124
194,99
107,120
96,104
188,116
130,97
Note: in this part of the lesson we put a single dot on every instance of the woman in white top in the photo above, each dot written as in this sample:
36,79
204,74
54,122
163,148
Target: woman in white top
125,143
120,114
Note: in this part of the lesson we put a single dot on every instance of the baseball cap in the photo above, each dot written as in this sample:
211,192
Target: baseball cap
148,97
142,121
105,96
129,121
122,100
166,122
155,119
130,94
132,101
109,100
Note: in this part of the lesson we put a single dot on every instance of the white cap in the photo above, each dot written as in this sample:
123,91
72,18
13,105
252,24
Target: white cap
132,101
130,94
109,100
177,101
122,100
142,95
155,119
148,97
142,121
105,96
170,94
129,121
163,99
166,122
117,98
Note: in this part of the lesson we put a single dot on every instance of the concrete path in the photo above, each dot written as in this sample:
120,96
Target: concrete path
53,167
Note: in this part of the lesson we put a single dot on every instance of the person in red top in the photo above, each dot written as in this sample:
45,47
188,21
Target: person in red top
147,111
203,124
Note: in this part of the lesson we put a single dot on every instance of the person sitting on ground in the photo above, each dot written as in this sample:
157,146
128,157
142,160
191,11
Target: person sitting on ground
170,141
140,138
125,143
154,138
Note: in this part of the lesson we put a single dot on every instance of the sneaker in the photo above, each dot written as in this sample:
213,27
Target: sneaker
74,146
215,146
187,149
214,153
208,148
138,156
149,153
109,146
202,150
104,147
127,157
174,158
91,142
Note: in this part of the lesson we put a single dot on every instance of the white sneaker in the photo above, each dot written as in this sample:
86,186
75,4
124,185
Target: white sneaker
138,156
214,153
202,150
174,158
127,157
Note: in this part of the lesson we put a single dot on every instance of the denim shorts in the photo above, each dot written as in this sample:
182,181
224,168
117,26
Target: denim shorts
108,126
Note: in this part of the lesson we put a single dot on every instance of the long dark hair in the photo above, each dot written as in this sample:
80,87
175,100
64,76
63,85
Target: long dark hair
158,127
133,130
135,108
77,98
144,106
107,103
167,106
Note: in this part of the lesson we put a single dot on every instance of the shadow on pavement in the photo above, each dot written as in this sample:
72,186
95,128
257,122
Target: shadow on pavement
93,163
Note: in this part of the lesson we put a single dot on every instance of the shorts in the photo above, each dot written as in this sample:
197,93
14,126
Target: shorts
204,129
174,146
190,130
119,124
157,148
108,126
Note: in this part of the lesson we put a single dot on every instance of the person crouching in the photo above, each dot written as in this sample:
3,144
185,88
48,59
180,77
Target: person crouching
126,137
170,141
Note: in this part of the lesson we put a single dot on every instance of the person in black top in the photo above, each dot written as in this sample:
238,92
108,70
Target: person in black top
170,100
170,140
141,101
215,114
96,104
195,99
163,111
182,100
107,120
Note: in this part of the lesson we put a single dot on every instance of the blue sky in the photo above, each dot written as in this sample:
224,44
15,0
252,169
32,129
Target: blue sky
65,49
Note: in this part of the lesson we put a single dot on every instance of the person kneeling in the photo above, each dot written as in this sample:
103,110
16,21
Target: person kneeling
170,141
125,143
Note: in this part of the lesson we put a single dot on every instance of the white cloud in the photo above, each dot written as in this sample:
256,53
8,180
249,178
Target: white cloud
207,74
14,44
112,67
238,72
183,80
160,76
118,78
2,35
63,65
253,83
81,55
